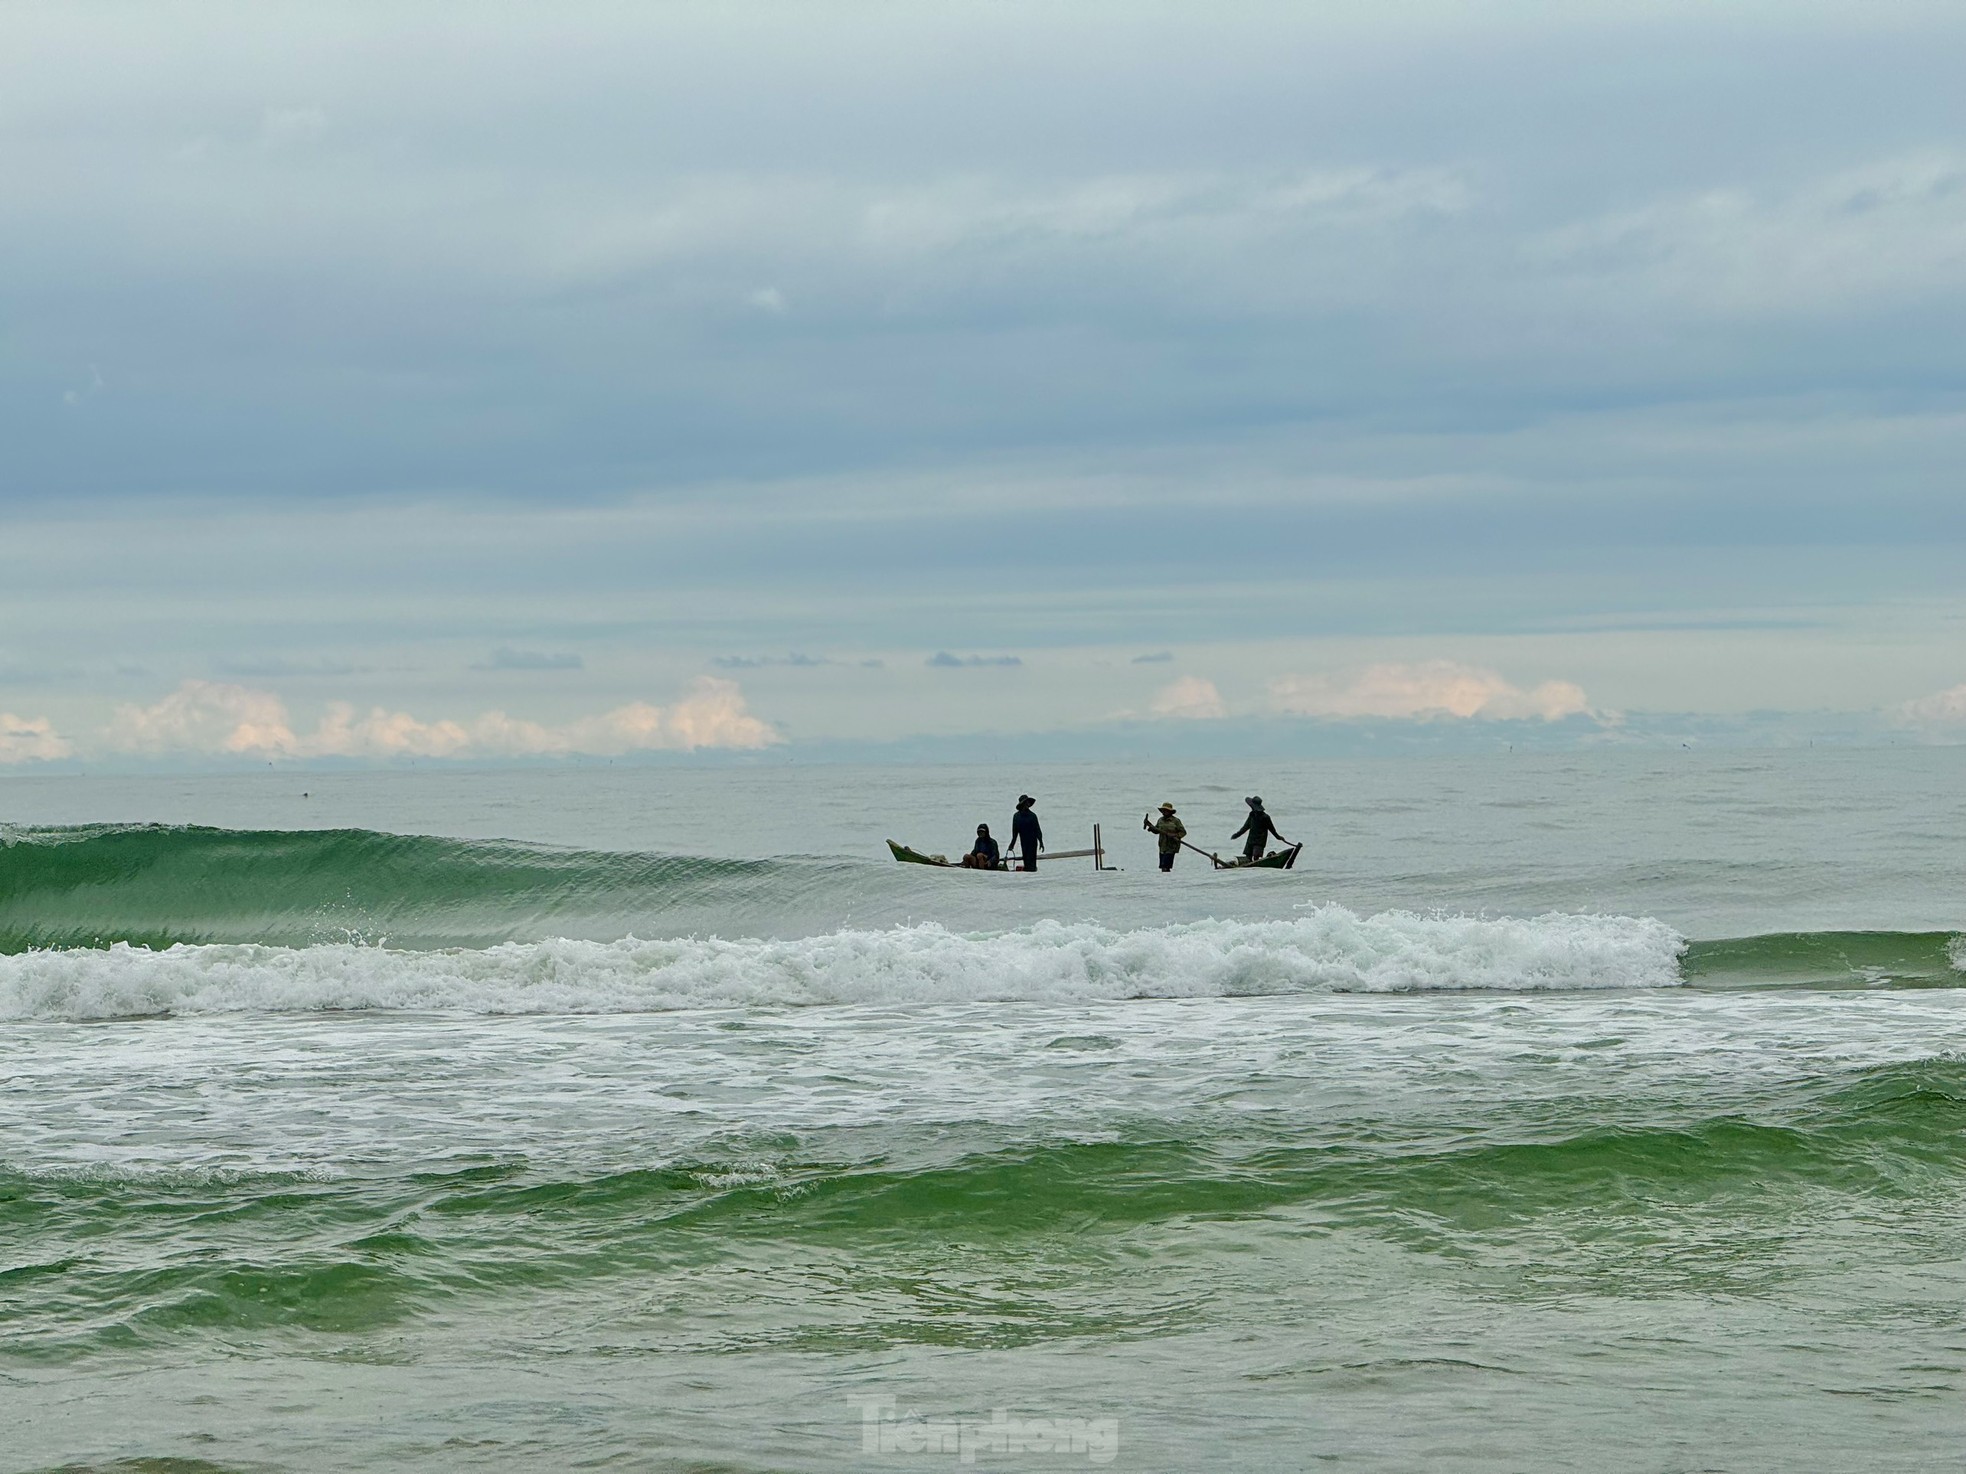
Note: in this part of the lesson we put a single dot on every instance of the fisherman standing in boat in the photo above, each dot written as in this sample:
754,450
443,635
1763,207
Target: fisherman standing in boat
1170,830
1259,827
1025,835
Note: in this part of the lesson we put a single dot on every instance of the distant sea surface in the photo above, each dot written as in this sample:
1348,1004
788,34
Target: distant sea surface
1554,1112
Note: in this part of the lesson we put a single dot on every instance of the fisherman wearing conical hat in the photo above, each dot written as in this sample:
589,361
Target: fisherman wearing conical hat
1170,830
1026,836
1259,827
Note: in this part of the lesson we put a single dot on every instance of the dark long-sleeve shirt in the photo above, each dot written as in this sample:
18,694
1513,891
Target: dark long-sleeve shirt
987,848
1259,828
1025,834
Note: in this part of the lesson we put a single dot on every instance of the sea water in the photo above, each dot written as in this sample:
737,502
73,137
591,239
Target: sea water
1603,1110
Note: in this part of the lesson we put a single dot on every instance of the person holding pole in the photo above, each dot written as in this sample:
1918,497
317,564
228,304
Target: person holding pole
1259,827
1170,831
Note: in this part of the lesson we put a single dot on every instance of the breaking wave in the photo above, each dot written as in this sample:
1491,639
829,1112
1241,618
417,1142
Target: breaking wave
1328,949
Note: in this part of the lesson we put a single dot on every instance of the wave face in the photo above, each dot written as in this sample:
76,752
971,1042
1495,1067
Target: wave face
1843,958
1328,950
1580,1206
157,885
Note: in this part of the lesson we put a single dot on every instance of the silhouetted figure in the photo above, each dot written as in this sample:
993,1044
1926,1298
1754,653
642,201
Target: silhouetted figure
1026,838
1170,830
984,854
1259,827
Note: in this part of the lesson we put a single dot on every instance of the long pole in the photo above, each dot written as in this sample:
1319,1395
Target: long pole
1146,823
1210,853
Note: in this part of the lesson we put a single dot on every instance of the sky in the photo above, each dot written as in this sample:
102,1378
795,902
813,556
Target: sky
412,381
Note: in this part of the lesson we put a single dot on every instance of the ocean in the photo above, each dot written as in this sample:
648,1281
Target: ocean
1556,1111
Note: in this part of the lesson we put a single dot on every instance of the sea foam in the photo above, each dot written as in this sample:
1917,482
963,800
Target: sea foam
1329,949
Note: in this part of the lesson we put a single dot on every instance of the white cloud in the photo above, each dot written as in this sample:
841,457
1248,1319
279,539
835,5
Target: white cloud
207,717
959,212
1190,697
1941,709
1891,230
1426,690
938,241
711,715
31,740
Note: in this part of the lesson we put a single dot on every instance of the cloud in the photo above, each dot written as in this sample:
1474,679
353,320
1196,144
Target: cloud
943,660
208,718
1941,709
31,740
1159,657
1893,229
712,715
205,716
1190,697
506,658
923,234
793,659
277,667
1425,691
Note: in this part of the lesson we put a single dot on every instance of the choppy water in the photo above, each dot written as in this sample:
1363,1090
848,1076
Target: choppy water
1555,1111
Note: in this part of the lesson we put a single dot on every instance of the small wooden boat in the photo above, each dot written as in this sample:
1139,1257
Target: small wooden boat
1274,860
1097,854
915,857
1282,859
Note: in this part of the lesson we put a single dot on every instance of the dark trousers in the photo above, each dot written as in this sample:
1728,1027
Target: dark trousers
1167,859
1028,860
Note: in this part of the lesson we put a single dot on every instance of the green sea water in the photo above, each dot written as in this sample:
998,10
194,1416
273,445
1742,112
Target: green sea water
1598,1111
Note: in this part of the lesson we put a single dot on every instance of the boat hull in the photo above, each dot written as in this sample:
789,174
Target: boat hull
939,862
1275,860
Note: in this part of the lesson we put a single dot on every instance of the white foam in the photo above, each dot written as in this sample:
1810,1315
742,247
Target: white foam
1327,950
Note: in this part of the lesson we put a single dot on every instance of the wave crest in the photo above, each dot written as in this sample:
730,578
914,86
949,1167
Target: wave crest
1329,949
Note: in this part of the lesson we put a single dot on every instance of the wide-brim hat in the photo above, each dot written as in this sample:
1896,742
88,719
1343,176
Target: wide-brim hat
1167,808
1253,802
1025,798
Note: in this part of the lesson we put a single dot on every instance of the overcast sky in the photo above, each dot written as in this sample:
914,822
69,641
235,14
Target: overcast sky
472,381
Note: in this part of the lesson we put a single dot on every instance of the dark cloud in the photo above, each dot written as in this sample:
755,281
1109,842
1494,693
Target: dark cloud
943,660
793,659
1159,657
506,658
279,667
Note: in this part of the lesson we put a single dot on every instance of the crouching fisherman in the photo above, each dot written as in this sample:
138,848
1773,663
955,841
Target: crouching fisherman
1170,831
984,854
